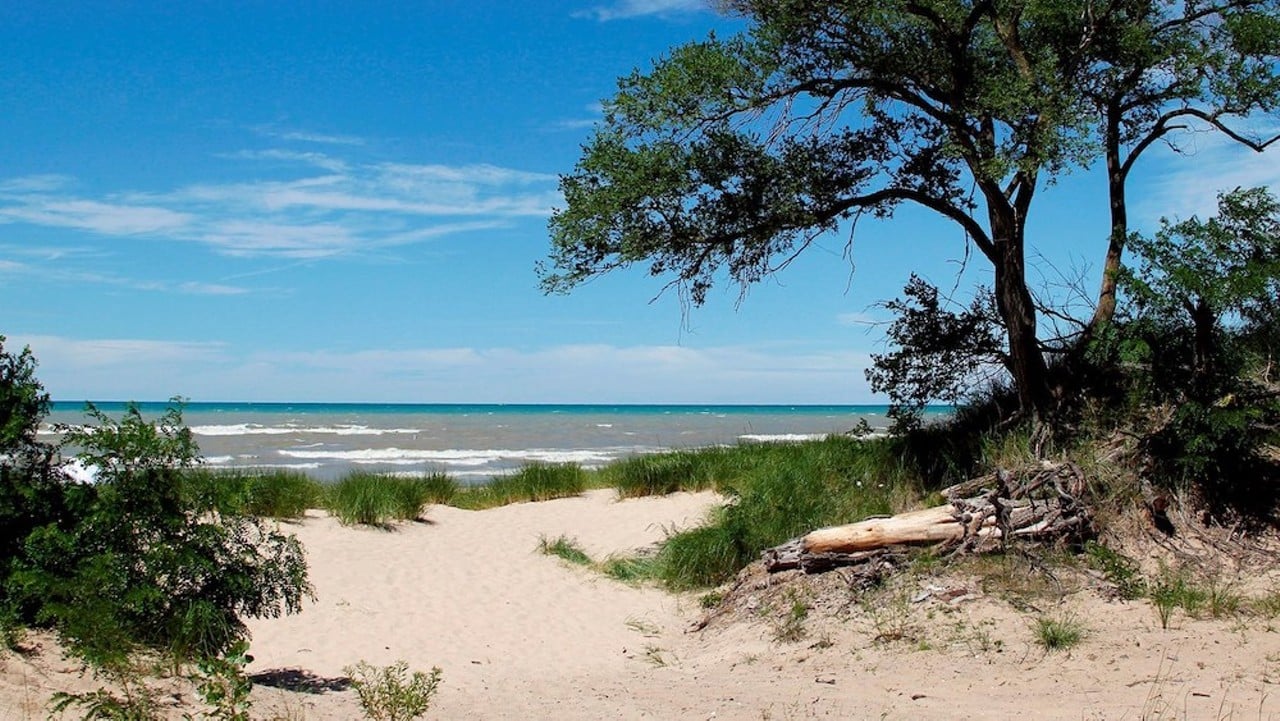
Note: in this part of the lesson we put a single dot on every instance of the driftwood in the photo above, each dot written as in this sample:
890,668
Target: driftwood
1041,503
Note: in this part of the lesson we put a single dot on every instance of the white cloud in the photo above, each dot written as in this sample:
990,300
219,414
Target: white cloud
346,208
638,8
1188,184
304,136
152,370
95,216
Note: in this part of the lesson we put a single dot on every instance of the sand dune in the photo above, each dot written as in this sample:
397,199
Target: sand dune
522,635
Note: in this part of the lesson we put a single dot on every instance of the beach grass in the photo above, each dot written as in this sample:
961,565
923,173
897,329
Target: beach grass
532,482
564,548
780,491
659,474
268,493
376,499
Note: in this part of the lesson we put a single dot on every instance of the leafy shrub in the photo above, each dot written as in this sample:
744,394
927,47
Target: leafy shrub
142,564
223,685
1117,568
386,694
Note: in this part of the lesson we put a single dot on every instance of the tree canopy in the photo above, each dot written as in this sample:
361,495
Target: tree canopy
730,156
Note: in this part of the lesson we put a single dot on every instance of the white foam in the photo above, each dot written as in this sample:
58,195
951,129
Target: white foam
253,429
452,457
783,437
218,460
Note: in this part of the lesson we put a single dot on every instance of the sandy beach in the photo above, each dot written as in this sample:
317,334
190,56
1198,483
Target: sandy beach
523,635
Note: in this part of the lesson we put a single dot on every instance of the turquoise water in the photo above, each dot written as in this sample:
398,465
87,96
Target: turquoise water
474,442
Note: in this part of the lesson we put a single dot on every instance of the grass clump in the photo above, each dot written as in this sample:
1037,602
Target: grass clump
376,499
565,548
629,569
660,474
1058,634
266,493
779,491
533,482
389,693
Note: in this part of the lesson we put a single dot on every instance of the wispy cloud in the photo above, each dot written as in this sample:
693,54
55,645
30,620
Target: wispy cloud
326,206
1188,183
638,8
303,136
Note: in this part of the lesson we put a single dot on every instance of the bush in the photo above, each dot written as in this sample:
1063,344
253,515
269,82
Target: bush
143,564
387,695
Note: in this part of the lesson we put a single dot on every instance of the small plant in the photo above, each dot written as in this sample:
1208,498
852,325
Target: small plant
565,548
790,627
388,693
891,617
135,702
223,685
710,599
629,569
1119,570
1173,590
656,656
1058,634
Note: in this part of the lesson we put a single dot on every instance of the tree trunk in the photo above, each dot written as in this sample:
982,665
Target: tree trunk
1106,308
1013,300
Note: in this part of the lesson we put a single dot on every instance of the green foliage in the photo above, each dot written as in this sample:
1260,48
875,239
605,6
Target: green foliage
145,566
1203,296
268,493
629,569
376,499
532,482
728,158
780,491
565,548
223,685
134,702
388,694
1058,634
1118,569
940,355
659,474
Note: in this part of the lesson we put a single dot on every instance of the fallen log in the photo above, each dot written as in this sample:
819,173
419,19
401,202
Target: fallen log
1041,503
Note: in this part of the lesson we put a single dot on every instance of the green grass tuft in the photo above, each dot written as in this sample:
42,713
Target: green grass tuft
565,548
1058,634
376,499
533,482
268,493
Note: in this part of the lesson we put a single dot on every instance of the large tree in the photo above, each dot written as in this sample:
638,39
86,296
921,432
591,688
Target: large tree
729,157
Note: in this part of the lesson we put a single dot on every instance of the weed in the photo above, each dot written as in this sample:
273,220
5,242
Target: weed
1058,634
643,627
790,627
565,548
1172,590
388,693
1120,570
657,657
628,569
135,702
711,599
890,615
223,685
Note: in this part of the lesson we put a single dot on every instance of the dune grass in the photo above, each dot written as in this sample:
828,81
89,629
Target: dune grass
659,474
377,499
564,548
779,491
269,493
532,482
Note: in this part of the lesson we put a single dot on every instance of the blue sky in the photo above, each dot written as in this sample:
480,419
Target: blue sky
345,202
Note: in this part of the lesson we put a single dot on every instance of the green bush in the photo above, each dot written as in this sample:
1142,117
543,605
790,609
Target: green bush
386,694
142,565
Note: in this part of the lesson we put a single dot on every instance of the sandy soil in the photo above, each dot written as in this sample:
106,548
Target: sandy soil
522,635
